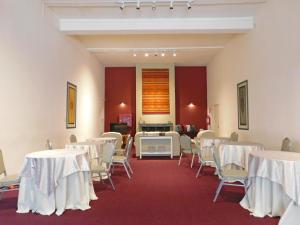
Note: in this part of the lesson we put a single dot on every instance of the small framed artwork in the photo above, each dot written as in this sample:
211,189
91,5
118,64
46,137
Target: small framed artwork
242,101
71,105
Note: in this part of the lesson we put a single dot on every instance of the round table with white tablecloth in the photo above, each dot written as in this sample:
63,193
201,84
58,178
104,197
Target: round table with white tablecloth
274,185
237,153
55,180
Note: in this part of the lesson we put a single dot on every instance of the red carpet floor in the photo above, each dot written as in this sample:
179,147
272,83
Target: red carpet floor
160,193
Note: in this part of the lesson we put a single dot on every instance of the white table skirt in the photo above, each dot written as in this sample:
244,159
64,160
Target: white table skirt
237,153
73,192
55,179
265,197
274,185
291,215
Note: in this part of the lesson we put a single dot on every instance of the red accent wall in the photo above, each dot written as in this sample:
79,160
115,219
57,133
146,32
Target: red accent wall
120,87
191,87
190,84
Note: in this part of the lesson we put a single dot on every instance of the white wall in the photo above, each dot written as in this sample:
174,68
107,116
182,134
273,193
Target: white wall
154,118
36,61
269,58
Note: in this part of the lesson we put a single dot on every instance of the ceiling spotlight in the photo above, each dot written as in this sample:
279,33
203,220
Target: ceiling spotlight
122,6
174,54
189,6
171,5
134,54
138,5
146,54
153,6
162,54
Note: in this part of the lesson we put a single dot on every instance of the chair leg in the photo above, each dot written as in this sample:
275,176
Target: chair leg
125,167
192,163
113,168
199,170
111,182
127,163
218,190
180,159
100,178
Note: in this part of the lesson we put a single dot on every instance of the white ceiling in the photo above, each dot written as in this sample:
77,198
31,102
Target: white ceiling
114,35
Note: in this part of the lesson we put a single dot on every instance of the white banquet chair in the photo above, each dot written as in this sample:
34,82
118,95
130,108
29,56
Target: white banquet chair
205,134
286,145
116,135
6,182
102,167
204,159
228,176
124,160
186,148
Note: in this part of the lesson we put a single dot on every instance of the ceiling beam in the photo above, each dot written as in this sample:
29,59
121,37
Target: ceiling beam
137,50
157,25
107,3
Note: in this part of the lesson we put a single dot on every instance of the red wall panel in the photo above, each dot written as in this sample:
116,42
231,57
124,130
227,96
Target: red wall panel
191,87
190,84
120,87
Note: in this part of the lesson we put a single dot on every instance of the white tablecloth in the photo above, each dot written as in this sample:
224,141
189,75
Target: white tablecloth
55,180
94,149
102,140
274,179
206,146
237,153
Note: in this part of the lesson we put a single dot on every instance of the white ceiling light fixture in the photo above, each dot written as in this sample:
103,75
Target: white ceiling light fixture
138,5
171,5
189,5
134,54
146,54
174,54
122,6
162,54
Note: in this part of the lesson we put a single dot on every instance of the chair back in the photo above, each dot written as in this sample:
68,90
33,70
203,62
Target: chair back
73,138
205,134
286,145
185,142
178,128
108,152
2,166
129,147
234,136
48,144
216,157
116,135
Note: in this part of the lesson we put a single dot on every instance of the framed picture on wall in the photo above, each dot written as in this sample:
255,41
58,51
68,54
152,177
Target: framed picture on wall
242,101
71,105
